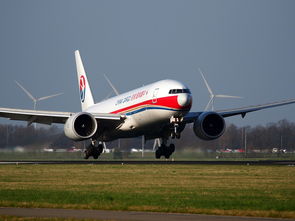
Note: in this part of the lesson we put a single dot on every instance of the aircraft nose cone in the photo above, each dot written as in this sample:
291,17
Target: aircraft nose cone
184,99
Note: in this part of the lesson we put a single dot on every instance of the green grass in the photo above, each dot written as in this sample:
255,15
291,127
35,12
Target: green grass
211,189
15,218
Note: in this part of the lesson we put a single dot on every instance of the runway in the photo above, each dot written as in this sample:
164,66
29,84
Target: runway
122,216
155,162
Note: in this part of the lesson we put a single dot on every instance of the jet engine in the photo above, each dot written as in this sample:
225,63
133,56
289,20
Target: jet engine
209,126
80,126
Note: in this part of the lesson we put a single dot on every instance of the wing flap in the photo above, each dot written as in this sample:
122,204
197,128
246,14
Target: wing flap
106,116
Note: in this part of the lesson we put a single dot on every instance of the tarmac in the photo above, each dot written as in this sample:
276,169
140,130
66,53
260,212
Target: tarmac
122,215
156,162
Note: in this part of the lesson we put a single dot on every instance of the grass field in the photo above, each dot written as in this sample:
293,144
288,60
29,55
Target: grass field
15,218
267,191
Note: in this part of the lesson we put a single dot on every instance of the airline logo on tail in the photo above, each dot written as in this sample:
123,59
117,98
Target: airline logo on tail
82,88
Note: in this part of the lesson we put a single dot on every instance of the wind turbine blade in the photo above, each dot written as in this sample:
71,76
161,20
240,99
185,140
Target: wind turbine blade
26,91
157,142
206,83
226,96
112,86
108,96
209,103
47,97
104,146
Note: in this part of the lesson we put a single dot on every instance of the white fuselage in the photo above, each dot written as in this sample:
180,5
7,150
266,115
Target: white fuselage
147,108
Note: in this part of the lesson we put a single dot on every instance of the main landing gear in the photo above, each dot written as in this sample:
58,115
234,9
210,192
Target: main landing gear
94,150
165,151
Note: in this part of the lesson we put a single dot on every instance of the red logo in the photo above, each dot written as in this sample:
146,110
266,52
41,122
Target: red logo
82,87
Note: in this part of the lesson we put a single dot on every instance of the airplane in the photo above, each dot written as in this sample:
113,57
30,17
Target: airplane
158,110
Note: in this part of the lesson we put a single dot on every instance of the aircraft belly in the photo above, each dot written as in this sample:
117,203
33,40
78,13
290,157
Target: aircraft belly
145,122
149,117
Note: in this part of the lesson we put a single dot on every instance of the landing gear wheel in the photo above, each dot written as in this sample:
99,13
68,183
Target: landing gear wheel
169,150
167,154
165,151
93,150
97,151
173,135
95,154
172,148
86,154
158,154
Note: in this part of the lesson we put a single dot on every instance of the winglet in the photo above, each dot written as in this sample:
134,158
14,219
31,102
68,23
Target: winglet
84,87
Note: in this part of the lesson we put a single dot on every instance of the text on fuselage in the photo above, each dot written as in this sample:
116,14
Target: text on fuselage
132,97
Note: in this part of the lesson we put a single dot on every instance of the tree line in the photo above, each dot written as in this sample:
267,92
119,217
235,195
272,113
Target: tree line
261,137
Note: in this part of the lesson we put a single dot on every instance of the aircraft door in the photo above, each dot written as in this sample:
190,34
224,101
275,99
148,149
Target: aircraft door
154,100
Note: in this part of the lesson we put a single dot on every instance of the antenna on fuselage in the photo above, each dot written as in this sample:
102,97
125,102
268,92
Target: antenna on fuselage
212,95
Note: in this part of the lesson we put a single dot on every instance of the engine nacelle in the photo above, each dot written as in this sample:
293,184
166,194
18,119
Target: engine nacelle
80,126
209,126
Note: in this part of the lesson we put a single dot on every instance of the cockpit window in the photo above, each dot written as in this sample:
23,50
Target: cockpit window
179,91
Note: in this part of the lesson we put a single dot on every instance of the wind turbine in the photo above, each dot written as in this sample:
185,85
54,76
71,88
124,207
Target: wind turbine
117,93
212,95
34,99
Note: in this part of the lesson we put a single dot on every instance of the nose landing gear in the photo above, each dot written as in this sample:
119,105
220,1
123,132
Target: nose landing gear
173,131
176,121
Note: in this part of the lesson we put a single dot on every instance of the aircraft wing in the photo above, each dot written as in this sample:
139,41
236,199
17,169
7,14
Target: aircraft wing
49,117
244,110
190,117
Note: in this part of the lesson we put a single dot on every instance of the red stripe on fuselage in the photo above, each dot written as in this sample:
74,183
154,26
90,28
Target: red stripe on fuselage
168,102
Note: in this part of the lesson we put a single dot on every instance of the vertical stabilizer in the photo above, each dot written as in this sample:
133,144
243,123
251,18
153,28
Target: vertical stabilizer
84,87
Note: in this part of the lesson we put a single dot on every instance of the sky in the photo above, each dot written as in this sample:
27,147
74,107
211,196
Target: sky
245,48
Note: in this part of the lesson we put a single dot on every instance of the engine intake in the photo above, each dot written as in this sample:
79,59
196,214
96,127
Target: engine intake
80,126
209,126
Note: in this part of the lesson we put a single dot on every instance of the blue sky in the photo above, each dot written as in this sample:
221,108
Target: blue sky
245,48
